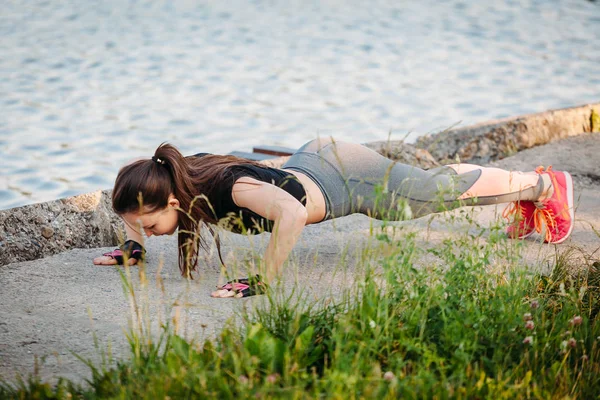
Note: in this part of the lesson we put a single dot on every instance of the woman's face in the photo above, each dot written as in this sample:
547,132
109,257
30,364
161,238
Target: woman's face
159,222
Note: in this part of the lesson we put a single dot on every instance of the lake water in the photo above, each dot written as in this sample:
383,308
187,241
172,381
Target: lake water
86,86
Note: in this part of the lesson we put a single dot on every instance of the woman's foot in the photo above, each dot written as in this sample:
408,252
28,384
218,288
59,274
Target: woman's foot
521,217
555,213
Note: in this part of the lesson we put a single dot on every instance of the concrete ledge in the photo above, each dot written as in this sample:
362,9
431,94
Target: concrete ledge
494,140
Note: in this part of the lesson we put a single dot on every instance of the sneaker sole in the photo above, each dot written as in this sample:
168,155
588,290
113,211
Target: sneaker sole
569,183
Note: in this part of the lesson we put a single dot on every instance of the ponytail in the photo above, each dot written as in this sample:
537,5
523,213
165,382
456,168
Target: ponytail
193,208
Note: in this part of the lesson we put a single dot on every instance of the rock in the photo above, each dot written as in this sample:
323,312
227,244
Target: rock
494,140
404,153
73,221
395,150
47,232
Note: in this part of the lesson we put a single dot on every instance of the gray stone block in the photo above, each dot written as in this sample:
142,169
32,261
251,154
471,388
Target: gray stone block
494,140
39,230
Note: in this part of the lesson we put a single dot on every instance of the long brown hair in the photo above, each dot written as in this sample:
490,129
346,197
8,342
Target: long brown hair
192,180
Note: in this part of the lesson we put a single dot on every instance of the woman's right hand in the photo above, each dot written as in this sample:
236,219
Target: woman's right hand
132,249
110,260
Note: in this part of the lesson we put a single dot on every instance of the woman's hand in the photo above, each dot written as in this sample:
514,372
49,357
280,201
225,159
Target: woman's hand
244,287
134,238
110,260
223,293
131,251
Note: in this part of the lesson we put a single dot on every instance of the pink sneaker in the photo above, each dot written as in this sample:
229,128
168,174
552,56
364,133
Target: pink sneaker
521,217
557,212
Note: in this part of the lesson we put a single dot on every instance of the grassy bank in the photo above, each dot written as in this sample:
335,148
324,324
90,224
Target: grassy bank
461,319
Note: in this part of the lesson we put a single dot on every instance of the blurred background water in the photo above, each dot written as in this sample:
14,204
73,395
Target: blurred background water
86,86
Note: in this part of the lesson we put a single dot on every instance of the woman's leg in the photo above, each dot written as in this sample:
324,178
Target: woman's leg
381,188
499,182
546,199
355,178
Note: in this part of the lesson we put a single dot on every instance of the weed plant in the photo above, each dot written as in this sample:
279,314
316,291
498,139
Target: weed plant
463,319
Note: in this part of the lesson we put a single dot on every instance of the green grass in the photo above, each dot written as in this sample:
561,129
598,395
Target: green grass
469,323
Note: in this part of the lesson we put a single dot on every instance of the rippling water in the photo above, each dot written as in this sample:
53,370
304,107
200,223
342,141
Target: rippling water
86,86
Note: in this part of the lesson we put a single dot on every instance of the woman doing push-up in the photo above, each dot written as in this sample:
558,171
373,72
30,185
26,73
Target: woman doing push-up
324,179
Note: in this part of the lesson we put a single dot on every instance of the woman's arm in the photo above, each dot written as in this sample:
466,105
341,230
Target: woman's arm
287,213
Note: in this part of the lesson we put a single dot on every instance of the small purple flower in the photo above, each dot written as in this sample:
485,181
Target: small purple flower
577,320
389,376
527,317
529,325
243,379
528,340
534,304
272,378
572,343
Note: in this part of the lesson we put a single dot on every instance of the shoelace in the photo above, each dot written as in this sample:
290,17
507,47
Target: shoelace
543,215
540,217
515,209
514,212
539,170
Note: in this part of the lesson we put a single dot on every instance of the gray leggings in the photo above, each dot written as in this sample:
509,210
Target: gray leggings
356,179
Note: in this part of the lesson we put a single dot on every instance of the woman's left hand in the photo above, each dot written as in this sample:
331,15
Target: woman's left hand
225,293
244,287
